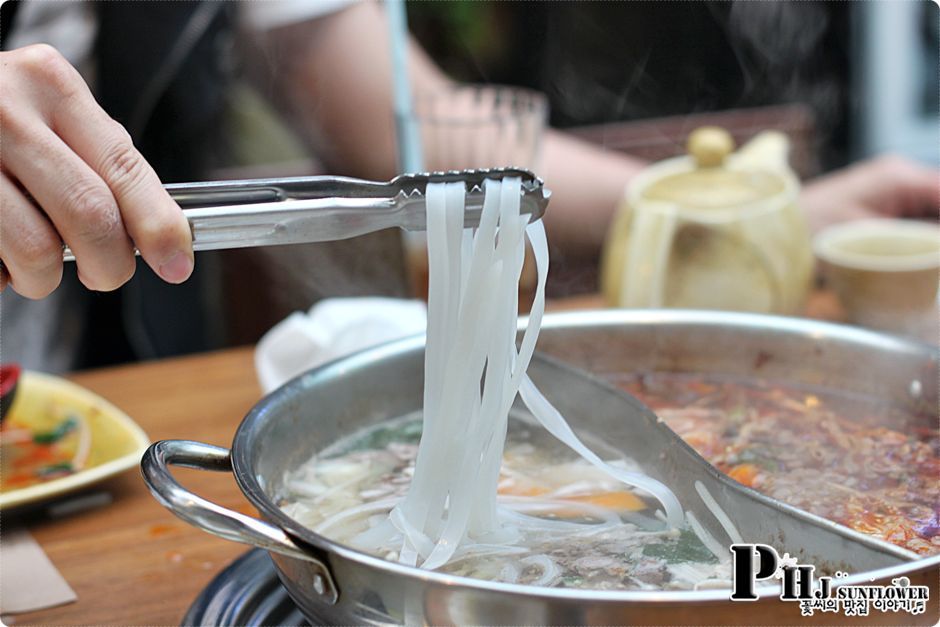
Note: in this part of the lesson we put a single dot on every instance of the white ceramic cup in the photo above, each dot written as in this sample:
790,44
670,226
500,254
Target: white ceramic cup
886,273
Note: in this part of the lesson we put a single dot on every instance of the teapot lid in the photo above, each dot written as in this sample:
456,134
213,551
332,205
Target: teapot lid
714,177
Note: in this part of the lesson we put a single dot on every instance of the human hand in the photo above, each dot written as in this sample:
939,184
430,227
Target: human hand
71,173
884,187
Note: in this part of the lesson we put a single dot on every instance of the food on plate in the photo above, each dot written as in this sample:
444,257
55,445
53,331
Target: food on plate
56,446
57,437
9,377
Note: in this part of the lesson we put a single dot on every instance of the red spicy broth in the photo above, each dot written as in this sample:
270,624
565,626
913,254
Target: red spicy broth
858,461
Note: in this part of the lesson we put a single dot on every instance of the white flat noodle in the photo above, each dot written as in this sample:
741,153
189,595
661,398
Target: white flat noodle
473,355
550,570
473,372
355,512
534,504
445,214
554,423
509,573
718,513
499,361
379,536
408,555
84,444
536,234
437,292
707,539
307,490
504,535
479,550
414,539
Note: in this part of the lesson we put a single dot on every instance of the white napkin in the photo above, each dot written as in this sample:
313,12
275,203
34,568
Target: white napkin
331,329
28,580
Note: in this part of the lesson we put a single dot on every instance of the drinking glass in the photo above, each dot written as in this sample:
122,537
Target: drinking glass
475,126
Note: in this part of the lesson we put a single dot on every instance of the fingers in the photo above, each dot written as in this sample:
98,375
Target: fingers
30,248
78,203
913,185
886,186
91,187
154,221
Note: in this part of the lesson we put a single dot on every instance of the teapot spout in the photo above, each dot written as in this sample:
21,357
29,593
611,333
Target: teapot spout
767,150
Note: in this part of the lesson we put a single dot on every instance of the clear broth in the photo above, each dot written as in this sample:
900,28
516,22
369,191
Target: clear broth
375,465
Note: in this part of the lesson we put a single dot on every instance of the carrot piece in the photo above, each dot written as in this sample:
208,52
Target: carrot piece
528,489
744,473
617,501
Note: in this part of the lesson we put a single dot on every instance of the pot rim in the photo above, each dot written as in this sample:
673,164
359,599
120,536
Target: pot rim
812,329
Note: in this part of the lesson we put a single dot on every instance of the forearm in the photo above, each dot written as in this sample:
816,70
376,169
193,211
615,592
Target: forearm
332,77
587,184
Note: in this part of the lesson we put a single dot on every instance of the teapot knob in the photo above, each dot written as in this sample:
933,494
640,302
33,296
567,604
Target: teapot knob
709,145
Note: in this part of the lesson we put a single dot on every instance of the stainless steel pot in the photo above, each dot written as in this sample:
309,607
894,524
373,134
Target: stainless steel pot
336,584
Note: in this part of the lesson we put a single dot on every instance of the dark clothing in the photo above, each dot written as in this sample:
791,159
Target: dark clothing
162,70
162,73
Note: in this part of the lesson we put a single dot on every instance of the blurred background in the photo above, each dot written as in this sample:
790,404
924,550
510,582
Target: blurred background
849,79
843,81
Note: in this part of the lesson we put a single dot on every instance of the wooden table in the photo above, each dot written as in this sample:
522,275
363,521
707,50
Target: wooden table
134,563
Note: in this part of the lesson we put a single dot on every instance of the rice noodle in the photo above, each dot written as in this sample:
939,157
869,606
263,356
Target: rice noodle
718,513
706,538
473,372
550,570
554,422
523,504
699,575
299,487
355,512
486,550
509,573
83,449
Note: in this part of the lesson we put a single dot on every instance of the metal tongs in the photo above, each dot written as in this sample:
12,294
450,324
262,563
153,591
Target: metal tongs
266,212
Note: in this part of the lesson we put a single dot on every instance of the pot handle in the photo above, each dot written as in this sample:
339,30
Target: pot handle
214,518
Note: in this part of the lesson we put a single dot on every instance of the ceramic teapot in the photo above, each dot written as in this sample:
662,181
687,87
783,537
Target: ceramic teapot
714,229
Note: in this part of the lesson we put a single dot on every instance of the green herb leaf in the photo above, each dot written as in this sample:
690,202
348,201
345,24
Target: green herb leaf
687,548
63,428
55,469
377,439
